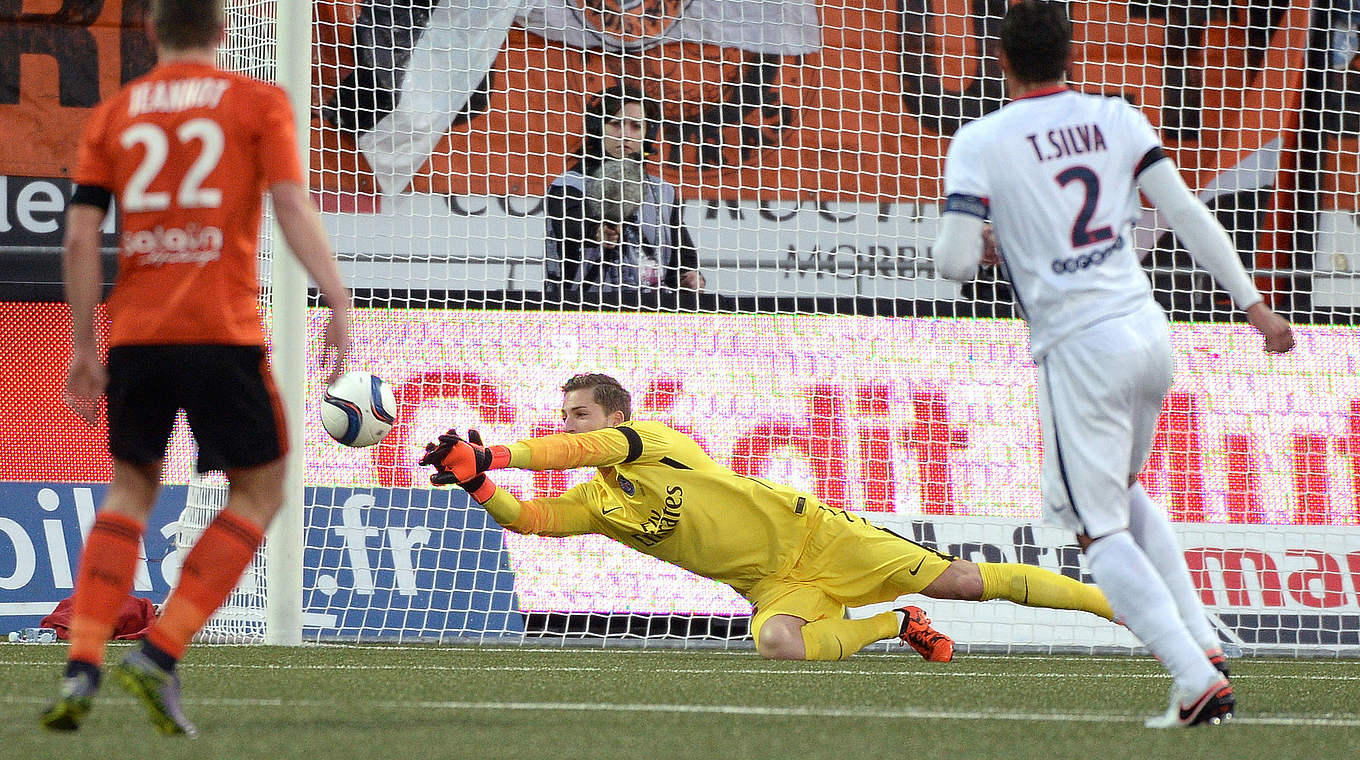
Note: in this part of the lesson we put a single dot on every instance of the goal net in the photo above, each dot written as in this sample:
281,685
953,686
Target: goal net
762,280
240,619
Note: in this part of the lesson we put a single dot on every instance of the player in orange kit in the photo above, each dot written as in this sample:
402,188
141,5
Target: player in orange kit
187,150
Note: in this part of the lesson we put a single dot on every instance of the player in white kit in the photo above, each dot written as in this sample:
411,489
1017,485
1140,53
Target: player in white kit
1057,173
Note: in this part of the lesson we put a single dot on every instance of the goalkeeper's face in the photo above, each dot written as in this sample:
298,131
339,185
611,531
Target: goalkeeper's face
581,413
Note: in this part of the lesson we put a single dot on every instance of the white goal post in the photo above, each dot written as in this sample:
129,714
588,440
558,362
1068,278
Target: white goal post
288,357
801,143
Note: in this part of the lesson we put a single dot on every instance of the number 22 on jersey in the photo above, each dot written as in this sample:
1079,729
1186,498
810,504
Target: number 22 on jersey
156,144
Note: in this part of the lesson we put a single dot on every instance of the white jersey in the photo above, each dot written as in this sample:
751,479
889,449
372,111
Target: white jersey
1056,174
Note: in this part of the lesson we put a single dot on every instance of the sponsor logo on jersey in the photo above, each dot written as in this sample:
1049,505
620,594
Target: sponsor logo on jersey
661,523
191,244
1086,260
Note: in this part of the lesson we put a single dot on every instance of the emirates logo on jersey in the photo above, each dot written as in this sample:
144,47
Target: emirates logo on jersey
631,23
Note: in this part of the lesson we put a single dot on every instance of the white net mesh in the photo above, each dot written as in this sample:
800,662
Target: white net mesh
774,295
240,620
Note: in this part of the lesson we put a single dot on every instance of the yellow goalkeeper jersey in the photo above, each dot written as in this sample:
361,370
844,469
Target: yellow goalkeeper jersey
658,492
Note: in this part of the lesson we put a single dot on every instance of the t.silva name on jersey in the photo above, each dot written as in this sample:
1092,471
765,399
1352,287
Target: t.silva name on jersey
1072,140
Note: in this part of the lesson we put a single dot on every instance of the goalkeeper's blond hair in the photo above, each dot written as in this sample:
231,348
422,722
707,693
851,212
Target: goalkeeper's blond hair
609,393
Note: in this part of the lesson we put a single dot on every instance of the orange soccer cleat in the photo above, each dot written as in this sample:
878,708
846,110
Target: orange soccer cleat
928,642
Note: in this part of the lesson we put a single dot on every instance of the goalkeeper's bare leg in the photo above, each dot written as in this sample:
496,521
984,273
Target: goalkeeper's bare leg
1023,584
789,637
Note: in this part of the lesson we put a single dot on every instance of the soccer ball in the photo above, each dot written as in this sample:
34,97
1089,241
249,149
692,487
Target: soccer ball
358,409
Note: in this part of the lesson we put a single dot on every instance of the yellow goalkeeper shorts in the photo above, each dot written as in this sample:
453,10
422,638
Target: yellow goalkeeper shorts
847,562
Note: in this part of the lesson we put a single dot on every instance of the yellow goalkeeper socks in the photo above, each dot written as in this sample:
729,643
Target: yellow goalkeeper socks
1037,587
838,639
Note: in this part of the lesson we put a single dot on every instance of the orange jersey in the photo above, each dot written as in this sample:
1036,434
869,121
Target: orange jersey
188,151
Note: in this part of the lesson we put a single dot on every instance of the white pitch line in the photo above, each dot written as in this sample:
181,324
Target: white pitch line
928,673
1343,720
873,651
748,653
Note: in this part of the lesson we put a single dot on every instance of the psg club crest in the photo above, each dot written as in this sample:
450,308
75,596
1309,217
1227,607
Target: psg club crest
630,24
626,486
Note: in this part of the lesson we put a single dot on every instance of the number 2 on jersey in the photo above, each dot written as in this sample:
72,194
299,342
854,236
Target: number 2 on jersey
154,141
1082,235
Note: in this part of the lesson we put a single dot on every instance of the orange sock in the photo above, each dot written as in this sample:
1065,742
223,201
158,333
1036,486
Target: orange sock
209,574
107,568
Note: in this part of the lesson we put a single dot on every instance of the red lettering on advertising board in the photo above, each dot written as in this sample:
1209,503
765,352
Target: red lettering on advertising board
1176,462
1312,502
875,449
826,424
660,399
1231,562
930,439
662,394
1244,487
548,483
1349,447
821,442
753,451
389,456
1324,572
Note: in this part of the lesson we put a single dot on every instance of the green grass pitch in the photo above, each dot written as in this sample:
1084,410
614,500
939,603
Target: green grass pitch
416,702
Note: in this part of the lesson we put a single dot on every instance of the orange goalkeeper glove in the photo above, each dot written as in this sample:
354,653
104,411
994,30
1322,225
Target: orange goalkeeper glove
479,485
463,458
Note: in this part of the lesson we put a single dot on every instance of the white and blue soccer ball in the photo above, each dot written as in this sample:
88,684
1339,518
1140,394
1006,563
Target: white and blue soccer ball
358,409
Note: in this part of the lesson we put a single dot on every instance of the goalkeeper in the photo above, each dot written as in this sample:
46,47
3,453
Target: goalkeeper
799,562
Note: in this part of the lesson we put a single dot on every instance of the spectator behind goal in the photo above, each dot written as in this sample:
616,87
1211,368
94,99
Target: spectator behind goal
643,258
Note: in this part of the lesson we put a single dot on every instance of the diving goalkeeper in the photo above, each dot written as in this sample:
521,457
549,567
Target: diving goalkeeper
799,562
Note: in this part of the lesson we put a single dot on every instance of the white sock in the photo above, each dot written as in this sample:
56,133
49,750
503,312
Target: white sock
1141,601
1152,532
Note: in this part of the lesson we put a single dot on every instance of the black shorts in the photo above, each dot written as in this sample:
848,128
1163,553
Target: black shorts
226,392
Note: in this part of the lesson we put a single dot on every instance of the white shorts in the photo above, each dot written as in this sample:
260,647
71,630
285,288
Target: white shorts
1100,392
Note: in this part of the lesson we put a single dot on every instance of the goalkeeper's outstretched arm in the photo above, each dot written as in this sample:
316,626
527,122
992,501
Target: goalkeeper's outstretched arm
605,447
565,515
464,463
